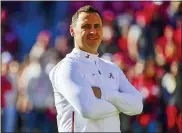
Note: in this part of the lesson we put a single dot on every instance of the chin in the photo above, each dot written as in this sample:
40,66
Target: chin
93,46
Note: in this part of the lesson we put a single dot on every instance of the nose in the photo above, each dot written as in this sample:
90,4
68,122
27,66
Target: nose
93,31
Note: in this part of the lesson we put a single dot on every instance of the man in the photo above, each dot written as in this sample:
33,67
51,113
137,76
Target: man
91,92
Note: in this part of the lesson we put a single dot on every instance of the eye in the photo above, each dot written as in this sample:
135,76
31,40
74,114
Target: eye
97,26
86,26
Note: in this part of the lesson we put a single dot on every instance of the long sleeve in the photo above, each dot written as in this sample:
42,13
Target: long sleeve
128,100
68,80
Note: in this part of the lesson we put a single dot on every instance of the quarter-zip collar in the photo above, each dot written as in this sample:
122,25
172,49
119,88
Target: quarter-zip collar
80,54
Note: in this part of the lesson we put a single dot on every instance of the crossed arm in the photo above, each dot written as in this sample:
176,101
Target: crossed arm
127,100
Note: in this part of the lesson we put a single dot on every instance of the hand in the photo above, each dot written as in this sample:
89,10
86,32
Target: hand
97,92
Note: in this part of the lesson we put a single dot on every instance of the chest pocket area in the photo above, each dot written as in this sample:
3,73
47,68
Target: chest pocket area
92,79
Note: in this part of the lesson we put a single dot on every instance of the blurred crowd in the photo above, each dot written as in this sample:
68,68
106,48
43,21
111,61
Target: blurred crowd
142,38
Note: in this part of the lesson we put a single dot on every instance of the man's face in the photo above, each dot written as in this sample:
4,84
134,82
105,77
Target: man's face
88,31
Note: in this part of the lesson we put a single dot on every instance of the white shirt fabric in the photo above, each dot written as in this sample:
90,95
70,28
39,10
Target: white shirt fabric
73,79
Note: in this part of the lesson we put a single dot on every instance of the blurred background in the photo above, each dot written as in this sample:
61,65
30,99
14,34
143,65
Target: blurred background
142,38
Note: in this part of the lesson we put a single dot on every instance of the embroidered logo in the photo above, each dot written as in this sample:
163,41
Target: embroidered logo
111,75
87,56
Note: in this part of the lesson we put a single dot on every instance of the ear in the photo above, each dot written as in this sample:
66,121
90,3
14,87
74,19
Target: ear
72,31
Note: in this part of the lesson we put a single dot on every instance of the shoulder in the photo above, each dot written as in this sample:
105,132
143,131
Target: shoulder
111,66
67,62
107,63
66,65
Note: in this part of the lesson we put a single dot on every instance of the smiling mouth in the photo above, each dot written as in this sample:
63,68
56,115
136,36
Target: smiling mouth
92,38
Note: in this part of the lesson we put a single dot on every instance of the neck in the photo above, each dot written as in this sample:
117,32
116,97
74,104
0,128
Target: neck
86,49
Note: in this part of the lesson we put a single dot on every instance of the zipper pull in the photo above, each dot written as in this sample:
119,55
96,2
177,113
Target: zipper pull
99,72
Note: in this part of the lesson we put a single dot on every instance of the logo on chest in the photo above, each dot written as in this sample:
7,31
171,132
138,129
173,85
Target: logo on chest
111,76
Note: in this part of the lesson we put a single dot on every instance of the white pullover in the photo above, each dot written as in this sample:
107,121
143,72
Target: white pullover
73,79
